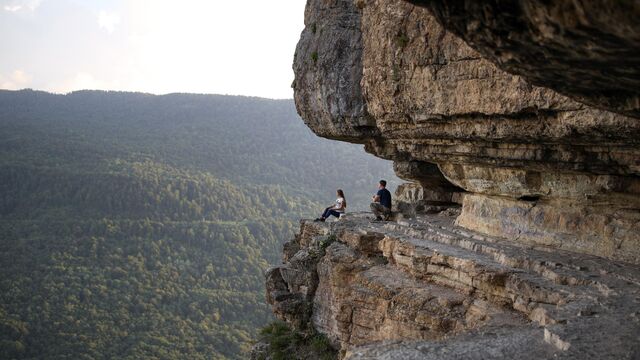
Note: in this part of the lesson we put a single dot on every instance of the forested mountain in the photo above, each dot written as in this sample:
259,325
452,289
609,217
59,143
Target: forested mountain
138,226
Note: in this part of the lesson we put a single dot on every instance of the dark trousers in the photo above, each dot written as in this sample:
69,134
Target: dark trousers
328,212
379,210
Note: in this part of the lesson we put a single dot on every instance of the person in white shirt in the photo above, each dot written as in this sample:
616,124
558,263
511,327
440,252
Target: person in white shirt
337,209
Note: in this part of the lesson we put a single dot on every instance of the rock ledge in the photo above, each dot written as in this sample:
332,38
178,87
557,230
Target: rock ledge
426,288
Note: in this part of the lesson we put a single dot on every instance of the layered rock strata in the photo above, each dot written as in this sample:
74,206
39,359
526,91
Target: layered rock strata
516,123
427,289
528,164
586,49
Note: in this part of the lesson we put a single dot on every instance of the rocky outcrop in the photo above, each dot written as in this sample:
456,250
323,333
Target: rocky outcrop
425,288
528,164
585,49
331,45
516,125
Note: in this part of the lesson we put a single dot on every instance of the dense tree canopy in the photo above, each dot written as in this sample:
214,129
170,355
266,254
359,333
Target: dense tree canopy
138,226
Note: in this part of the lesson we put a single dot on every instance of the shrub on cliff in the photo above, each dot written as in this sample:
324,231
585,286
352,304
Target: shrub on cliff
284,342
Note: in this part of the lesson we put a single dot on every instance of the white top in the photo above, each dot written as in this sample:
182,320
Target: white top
338,206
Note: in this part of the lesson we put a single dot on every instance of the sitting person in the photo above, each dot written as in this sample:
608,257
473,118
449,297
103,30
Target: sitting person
335,210
381,205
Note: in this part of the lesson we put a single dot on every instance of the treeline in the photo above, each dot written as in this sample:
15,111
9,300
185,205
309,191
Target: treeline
241,139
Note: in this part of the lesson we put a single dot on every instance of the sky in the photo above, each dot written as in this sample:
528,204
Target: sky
155,46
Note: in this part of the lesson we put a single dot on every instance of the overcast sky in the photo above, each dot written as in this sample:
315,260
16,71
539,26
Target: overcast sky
158,46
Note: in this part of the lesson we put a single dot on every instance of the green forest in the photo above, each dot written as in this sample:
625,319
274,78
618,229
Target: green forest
139,226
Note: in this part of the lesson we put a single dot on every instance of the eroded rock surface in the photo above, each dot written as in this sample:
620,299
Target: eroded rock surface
329,59
516,124
587,49
426,288
535,166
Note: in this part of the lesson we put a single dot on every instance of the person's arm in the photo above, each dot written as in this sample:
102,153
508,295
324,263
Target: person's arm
376,197
335,206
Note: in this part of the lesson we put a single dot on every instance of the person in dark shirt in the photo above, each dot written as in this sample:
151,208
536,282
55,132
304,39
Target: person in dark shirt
381,205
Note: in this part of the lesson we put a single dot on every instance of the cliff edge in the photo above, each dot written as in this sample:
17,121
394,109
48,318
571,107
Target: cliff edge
424,288
517,128
531,165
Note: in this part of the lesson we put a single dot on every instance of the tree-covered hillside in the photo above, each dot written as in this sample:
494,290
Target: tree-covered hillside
138,226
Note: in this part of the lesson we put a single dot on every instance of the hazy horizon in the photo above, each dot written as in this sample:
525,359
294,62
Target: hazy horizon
145,93
159,47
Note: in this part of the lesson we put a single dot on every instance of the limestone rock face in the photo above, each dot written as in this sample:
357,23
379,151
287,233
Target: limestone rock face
534,166
517,125
328,59
425,288
586,49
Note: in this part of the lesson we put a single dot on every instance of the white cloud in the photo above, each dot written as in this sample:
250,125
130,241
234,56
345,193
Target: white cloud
19,5
17,79
108,20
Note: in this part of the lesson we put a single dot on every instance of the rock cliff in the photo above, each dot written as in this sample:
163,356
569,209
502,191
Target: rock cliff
425,288
586,49
533,165
516,124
